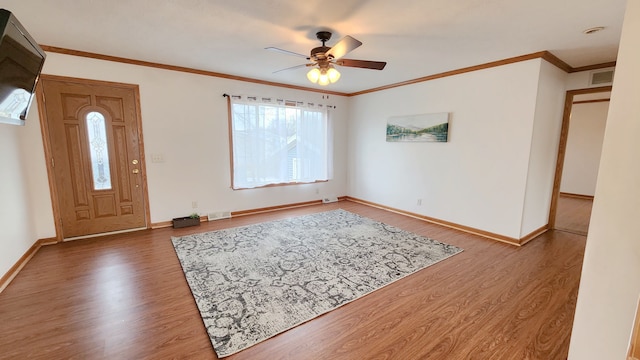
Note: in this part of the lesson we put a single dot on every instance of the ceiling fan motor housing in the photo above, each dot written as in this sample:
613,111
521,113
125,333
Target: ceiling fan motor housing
318,53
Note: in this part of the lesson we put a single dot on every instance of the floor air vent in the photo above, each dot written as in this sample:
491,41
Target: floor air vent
329,199
219,215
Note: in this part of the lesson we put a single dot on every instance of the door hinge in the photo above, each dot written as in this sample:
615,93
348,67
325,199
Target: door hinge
53,163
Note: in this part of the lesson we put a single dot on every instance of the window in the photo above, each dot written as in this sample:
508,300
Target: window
277,144
99,153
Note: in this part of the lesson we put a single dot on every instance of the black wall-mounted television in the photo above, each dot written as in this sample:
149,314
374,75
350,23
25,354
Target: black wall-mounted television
21,61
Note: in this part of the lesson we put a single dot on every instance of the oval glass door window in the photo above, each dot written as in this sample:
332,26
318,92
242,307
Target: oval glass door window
99,151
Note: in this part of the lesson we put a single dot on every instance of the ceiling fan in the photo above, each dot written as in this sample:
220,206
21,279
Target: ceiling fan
323,59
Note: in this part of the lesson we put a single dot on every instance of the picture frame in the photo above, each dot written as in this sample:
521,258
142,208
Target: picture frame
432,127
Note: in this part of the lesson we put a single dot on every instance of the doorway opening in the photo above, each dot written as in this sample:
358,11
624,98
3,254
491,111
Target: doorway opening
583,123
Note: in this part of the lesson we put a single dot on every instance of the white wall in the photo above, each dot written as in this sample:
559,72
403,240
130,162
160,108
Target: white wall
544,148
17,230
584,146
184,118
610,282
478,178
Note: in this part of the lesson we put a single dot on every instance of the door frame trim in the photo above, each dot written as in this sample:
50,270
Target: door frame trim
562,146
48,152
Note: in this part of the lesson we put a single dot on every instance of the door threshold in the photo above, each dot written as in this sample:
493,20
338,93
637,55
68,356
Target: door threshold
103,234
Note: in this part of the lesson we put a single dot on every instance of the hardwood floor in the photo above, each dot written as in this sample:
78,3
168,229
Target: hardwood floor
125,297
573,214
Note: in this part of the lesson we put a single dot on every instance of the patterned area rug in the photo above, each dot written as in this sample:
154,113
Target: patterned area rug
253,282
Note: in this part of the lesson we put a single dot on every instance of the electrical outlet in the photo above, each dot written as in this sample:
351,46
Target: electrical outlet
194,204
419,202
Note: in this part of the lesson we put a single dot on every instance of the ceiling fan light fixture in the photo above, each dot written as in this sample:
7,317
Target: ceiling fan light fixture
323,76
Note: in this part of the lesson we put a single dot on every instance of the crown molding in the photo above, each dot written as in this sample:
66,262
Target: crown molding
546,55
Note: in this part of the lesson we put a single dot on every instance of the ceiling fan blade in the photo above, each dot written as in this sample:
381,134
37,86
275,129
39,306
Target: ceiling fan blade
343,46
365,64
293,67
286,52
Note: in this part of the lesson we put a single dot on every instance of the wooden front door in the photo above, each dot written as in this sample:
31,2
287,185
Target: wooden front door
96,164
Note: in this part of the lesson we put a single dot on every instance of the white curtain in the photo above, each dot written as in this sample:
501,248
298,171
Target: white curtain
278,144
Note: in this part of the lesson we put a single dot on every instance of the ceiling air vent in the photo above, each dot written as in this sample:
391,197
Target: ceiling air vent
601,77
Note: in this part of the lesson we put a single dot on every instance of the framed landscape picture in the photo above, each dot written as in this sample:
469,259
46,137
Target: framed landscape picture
418,128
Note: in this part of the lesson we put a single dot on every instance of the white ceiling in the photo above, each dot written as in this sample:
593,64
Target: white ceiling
415,37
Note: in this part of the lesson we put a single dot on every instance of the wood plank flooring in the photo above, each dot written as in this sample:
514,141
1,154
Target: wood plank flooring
125,297
573,214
